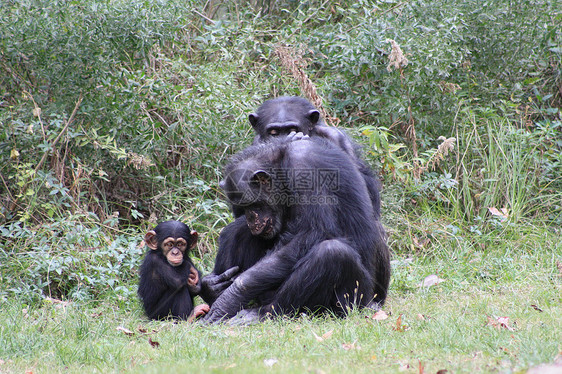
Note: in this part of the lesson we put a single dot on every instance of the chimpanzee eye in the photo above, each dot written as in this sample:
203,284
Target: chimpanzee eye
273,132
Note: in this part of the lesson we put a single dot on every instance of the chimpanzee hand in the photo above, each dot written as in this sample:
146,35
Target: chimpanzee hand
297,136
226,305
193,282
199,311
212,285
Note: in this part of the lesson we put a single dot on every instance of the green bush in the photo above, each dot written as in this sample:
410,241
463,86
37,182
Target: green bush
116,115
66,260
456,53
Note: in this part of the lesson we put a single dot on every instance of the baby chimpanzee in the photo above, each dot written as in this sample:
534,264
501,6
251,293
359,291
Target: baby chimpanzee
168,279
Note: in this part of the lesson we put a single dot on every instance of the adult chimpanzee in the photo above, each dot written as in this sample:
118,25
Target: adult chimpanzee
307,240
168,279
283,115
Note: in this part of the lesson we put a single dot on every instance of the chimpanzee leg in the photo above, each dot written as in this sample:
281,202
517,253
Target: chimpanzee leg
329,277
183,304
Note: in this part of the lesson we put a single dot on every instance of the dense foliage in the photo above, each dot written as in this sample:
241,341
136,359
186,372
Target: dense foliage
116,115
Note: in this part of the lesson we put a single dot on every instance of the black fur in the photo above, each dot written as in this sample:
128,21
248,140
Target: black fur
293,113
163,288
284,115
320,251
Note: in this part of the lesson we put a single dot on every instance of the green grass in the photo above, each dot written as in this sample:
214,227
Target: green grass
443,326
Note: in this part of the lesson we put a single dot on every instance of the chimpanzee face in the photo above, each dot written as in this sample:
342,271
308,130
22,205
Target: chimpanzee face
173,239
283,129
174,250
253,192
282,116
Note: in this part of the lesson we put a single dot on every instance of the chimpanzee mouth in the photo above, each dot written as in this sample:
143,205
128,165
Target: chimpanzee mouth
261,228
268,229
175,261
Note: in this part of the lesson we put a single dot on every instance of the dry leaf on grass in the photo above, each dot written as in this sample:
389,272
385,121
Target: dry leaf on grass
431,280
324,336
142,330
399,326
58,303
230,332
349,346
269,362
222,368
503,214
420,367
379,315
499,322
421,243
153,343
125,331
422,317
536,308
403,366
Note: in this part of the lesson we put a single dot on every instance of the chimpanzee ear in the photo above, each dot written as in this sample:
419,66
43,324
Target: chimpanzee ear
194,237
151,240
253,117
313,116
261,178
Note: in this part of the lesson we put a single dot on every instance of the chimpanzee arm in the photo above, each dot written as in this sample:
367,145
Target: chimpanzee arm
194,281
268,273
213,285
166,274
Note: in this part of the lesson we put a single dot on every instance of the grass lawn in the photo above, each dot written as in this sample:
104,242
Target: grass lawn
455,325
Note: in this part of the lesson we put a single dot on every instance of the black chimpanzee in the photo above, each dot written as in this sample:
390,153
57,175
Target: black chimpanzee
283,115
168,279
307,240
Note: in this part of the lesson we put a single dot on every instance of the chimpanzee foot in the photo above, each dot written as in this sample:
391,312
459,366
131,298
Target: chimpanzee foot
246,317
374,305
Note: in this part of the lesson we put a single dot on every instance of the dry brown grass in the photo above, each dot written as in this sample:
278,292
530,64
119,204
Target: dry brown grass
293,60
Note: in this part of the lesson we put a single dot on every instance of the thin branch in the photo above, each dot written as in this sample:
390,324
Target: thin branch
68,123
204,16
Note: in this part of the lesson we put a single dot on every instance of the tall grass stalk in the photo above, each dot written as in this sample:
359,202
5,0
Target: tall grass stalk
496,168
